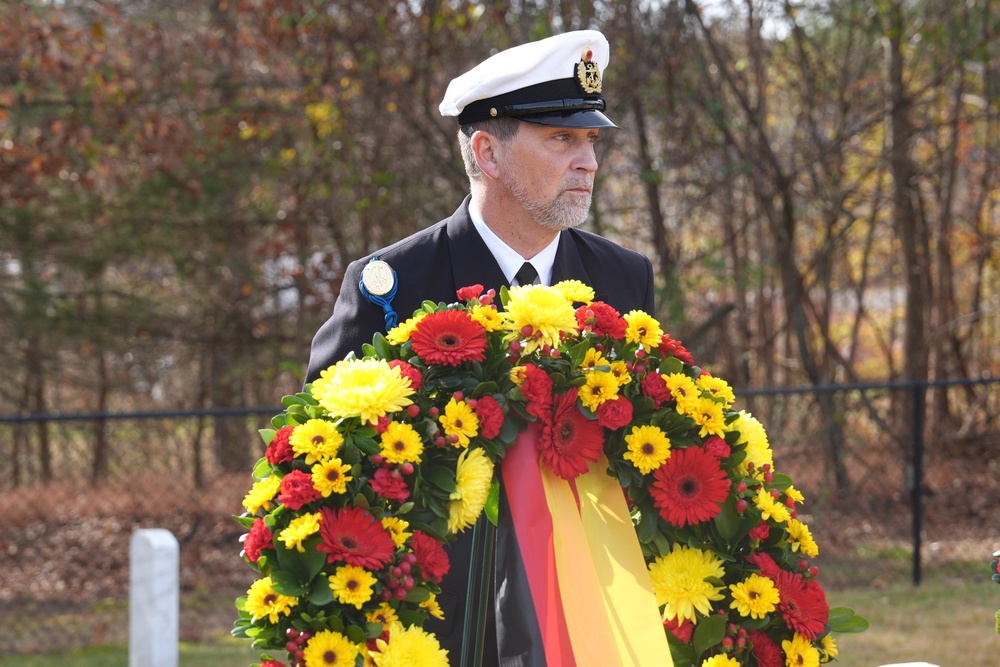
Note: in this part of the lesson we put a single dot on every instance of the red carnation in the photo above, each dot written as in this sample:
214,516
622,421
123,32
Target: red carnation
689,487
760,532
353,535
803,604
537,388
389,484
280,449
614,414
431,557
682,630
675,348
765,650
717,447
654,386
297,490
409,372
469,292
569,439
272,663
490,417
765,564
449,338
602,319
258,538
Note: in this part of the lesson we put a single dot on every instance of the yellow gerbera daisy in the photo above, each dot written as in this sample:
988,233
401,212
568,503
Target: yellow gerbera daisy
352,585
755,596
316,440
401,333
472,481
331,476
518,374
800,538
709,416
330,649
397,528
770,508
299,529
720,660
620,370
648,448
385,615
262,494
542,310
401,443
488,316
718,388
642,328
594,359
409,647
679,582
363,388
460,420
600,387
433,607
575,292
753,435
264,602
684,392
800,652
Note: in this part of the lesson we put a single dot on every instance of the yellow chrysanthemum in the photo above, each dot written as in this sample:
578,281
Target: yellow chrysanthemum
543,310
299,529
352,585
472,481
433,607
594,360
648,448
770,508
718,388
800,652
720,660
795,494
363,388
575,292
600,387
684,392
331,476
397,528
409,647
755,596
401,443
264,602
262,494
679,582
709,416
460,420
401,333
753,435
829,648
385,615
330,649
316,440
518,374
620,370
643,328
800,538
488,316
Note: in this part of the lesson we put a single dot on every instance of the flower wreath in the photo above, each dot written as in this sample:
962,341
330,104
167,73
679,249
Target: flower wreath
382,460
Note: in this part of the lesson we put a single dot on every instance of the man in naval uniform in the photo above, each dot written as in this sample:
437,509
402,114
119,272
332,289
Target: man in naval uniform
528,120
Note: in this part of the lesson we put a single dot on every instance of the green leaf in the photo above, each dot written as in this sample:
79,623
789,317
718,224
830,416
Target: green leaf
492,508
367,445
356,634
780,481
440,477
484,388
417,595
409,617
382,347
647,527
302,566
672,365
267,435
287,583
843,619
683,655
262,469
708,633
321,594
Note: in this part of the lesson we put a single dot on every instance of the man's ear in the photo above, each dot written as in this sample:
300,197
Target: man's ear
486,147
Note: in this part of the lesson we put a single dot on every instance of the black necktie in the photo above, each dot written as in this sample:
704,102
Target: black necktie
526,275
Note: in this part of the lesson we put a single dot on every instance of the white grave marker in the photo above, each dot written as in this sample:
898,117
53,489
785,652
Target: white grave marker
154,598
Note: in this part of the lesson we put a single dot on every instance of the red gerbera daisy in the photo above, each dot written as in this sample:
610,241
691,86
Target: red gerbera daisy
258,538
569,439
765,564
689,487
353,535
431,556
602,319
449,338
765,650
803,604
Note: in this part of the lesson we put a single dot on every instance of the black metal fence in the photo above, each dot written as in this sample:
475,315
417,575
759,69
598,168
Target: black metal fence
901,482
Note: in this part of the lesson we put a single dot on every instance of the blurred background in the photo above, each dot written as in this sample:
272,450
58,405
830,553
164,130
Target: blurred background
182,184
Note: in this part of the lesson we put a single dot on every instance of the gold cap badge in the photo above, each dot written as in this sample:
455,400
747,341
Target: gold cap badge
588,73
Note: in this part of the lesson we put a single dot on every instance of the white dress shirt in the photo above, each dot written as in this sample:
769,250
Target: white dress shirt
509,259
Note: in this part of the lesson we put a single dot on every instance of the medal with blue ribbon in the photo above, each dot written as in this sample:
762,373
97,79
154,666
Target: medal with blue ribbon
378,284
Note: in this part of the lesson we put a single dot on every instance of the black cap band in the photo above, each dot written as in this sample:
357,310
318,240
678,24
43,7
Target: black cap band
559,96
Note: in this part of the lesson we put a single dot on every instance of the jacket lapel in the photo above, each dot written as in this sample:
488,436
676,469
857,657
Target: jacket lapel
568,264
471,260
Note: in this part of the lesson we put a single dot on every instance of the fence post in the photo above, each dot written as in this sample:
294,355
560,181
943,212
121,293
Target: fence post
919,403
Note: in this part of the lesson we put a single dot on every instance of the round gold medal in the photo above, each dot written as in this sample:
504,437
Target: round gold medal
377,277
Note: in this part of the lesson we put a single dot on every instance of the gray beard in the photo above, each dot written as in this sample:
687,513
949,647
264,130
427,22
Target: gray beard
563,212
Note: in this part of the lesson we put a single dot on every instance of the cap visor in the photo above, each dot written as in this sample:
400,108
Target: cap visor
586,118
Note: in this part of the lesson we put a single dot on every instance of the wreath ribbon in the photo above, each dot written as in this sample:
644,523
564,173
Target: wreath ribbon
588,579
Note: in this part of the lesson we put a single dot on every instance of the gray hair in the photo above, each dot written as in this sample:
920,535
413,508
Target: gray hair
503,128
